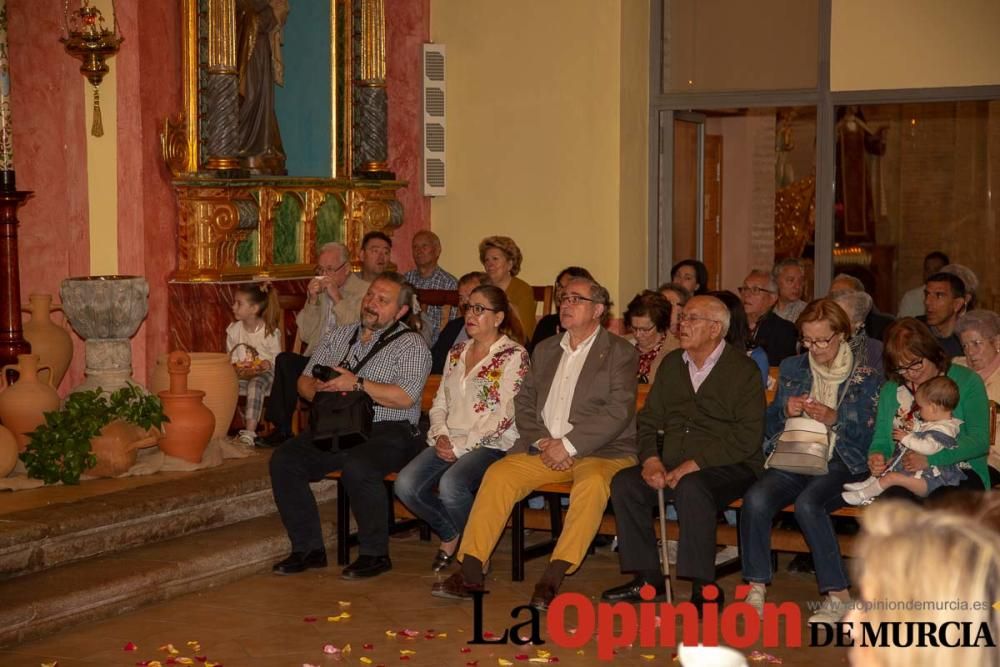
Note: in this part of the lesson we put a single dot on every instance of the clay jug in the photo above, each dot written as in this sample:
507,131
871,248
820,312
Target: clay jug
49,341
116,447
8,452
212,373
191,424
23,403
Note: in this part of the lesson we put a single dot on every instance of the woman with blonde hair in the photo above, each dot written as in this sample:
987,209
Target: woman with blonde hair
501,260
901,546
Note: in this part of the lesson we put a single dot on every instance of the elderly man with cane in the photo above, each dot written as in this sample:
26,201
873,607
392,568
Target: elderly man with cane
708,402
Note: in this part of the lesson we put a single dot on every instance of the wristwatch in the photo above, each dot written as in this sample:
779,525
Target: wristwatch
359,384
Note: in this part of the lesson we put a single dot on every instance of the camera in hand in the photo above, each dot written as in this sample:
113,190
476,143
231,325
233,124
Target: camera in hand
324,373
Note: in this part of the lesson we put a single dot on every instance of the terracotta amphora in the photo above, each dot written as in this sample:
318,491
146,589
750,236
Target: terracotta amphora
23,403
211,372
191,424
8,452
49,341
116,447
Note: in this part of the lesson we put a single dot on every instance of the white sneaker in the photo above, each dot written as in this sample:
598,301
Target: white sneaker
831,611
854,486
865,495
246,437
726,554
755,598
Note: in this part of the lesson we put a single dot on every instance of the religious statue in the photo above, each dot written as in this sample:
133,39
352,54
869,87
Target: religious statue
859,150
784,173
259,38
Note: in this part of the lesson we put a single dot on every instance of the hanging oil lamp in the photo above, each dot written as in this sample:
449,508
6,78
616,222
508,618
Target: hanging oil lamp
89,39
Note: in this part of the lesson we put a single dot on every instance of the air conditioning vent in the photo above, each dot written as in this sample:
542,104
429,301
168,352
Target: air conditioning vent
434,120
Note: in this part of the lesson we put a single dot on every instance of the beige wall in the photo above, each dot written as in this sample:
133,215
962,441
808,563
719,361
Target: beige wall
546,119
914,44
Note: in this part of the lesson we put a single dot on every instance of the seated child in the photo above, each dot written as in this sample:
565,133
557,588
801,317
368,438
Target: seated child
253,341
935,431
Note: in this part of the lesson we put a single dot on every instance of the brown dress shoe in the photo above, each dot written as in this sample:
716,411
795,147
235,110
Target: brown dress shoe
542,596
456,588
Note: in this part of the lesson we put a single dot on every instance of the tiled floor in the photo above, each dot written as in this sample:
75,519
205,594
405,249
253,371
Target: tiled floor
260,621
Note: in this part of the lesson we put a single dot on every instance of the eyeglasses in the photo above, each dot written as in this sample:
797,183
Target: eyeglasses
685,317
753,290
644,330
818,343
476,308
573,299
913,366
328,270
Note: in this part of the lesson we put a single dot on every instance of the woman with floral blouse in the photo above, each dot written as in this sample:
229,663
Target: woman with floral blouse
472,420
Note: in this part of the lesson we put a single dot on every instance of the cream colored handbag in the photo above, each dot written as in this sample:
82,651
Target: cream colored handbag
804,447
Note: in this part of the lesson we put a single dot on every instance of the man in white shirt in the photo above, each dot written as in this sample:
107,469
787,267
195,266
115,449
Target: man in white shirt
575,418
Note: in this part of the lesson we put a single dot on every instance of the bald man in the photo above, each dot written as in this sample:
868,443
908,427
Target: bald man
708,401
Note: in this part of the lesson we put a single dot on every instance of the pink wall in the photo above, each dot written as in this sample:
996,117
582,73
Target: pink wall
407,28
50,154
149,89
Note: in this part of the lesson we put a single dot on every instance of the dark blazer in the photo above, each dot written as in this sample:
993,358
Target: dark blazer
877,322
602,414
446,339
778,337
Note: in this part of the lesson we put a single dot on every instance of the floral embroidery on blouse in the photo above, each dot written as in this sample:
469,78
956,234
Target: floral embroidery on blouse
487,383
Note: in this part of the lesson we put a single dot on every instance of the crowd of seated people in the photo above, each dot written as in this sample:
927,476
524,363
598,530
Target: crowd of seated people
502,424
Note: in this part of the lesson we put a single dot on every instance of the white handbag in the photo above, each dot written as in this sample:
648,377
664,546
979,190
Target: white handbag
804,447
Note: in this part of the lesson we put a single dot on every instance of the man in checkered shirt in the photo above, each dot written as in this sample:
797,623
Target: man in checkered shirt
394,378
428,275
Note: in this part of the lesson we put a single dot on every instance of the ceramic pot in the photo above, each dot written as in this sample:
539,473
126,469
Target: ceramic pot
8,452
212,373
191,424
23,403
49,341
116,447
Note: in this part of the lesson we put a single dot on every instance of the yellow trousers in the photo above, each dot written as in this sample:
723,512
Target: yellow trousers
515,476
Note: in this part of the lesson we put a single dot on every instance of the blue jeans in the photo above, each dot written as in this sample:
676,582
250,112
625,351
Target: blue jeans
814,497
447,510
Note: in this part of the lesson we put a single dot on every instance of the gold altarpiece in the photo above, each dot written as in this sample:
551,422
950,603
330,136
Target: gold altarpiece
241,219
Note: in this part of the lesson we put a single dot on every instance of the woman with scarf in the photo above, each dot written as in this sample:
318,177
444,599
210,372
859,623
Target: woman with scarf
833,386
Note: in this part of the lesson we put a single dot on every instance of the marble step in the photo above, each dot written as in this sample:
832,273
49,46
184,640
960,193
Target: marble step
44,602
37,539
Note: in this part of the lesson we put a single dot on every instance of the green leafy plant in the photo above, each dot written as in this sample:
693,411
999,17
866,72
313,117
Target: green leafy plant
59,450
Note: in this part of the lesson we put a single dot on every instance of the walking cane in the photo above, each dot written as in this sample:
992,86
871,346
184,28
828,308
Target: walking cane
664,557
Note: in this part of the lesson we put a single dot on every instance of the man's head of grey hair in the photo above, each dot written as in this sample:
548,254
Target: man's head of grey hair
857,305
338,248
772,284
598,295
717,311
784,264
854,282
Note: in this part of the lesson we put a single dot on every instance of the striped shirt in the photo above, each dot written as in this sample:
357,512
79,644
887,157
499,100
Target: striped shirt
405,362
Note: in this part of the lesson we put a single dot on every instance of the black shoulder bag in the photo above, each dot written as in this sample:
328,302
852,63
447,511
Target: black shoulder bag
343,419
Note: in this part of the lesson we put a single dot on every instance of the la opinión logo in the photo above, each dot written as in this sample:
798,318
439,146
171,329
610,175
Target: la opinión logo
649,624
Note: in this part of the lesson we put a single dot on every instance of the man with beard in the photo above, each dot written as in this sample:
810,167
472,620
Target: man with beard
394,378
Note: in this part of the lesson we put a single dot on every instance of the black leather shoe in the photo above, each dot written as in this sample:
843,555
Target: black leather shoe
300,561
542,597
699,601
273,440
366,566
630,592
442,560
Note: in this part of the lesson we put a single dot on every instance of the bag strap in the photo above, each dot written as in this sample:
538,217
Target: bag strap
386,338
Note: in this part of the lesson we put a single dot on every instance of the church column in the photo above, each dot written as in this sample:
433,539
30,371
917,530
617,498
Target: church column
222,87
371,105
